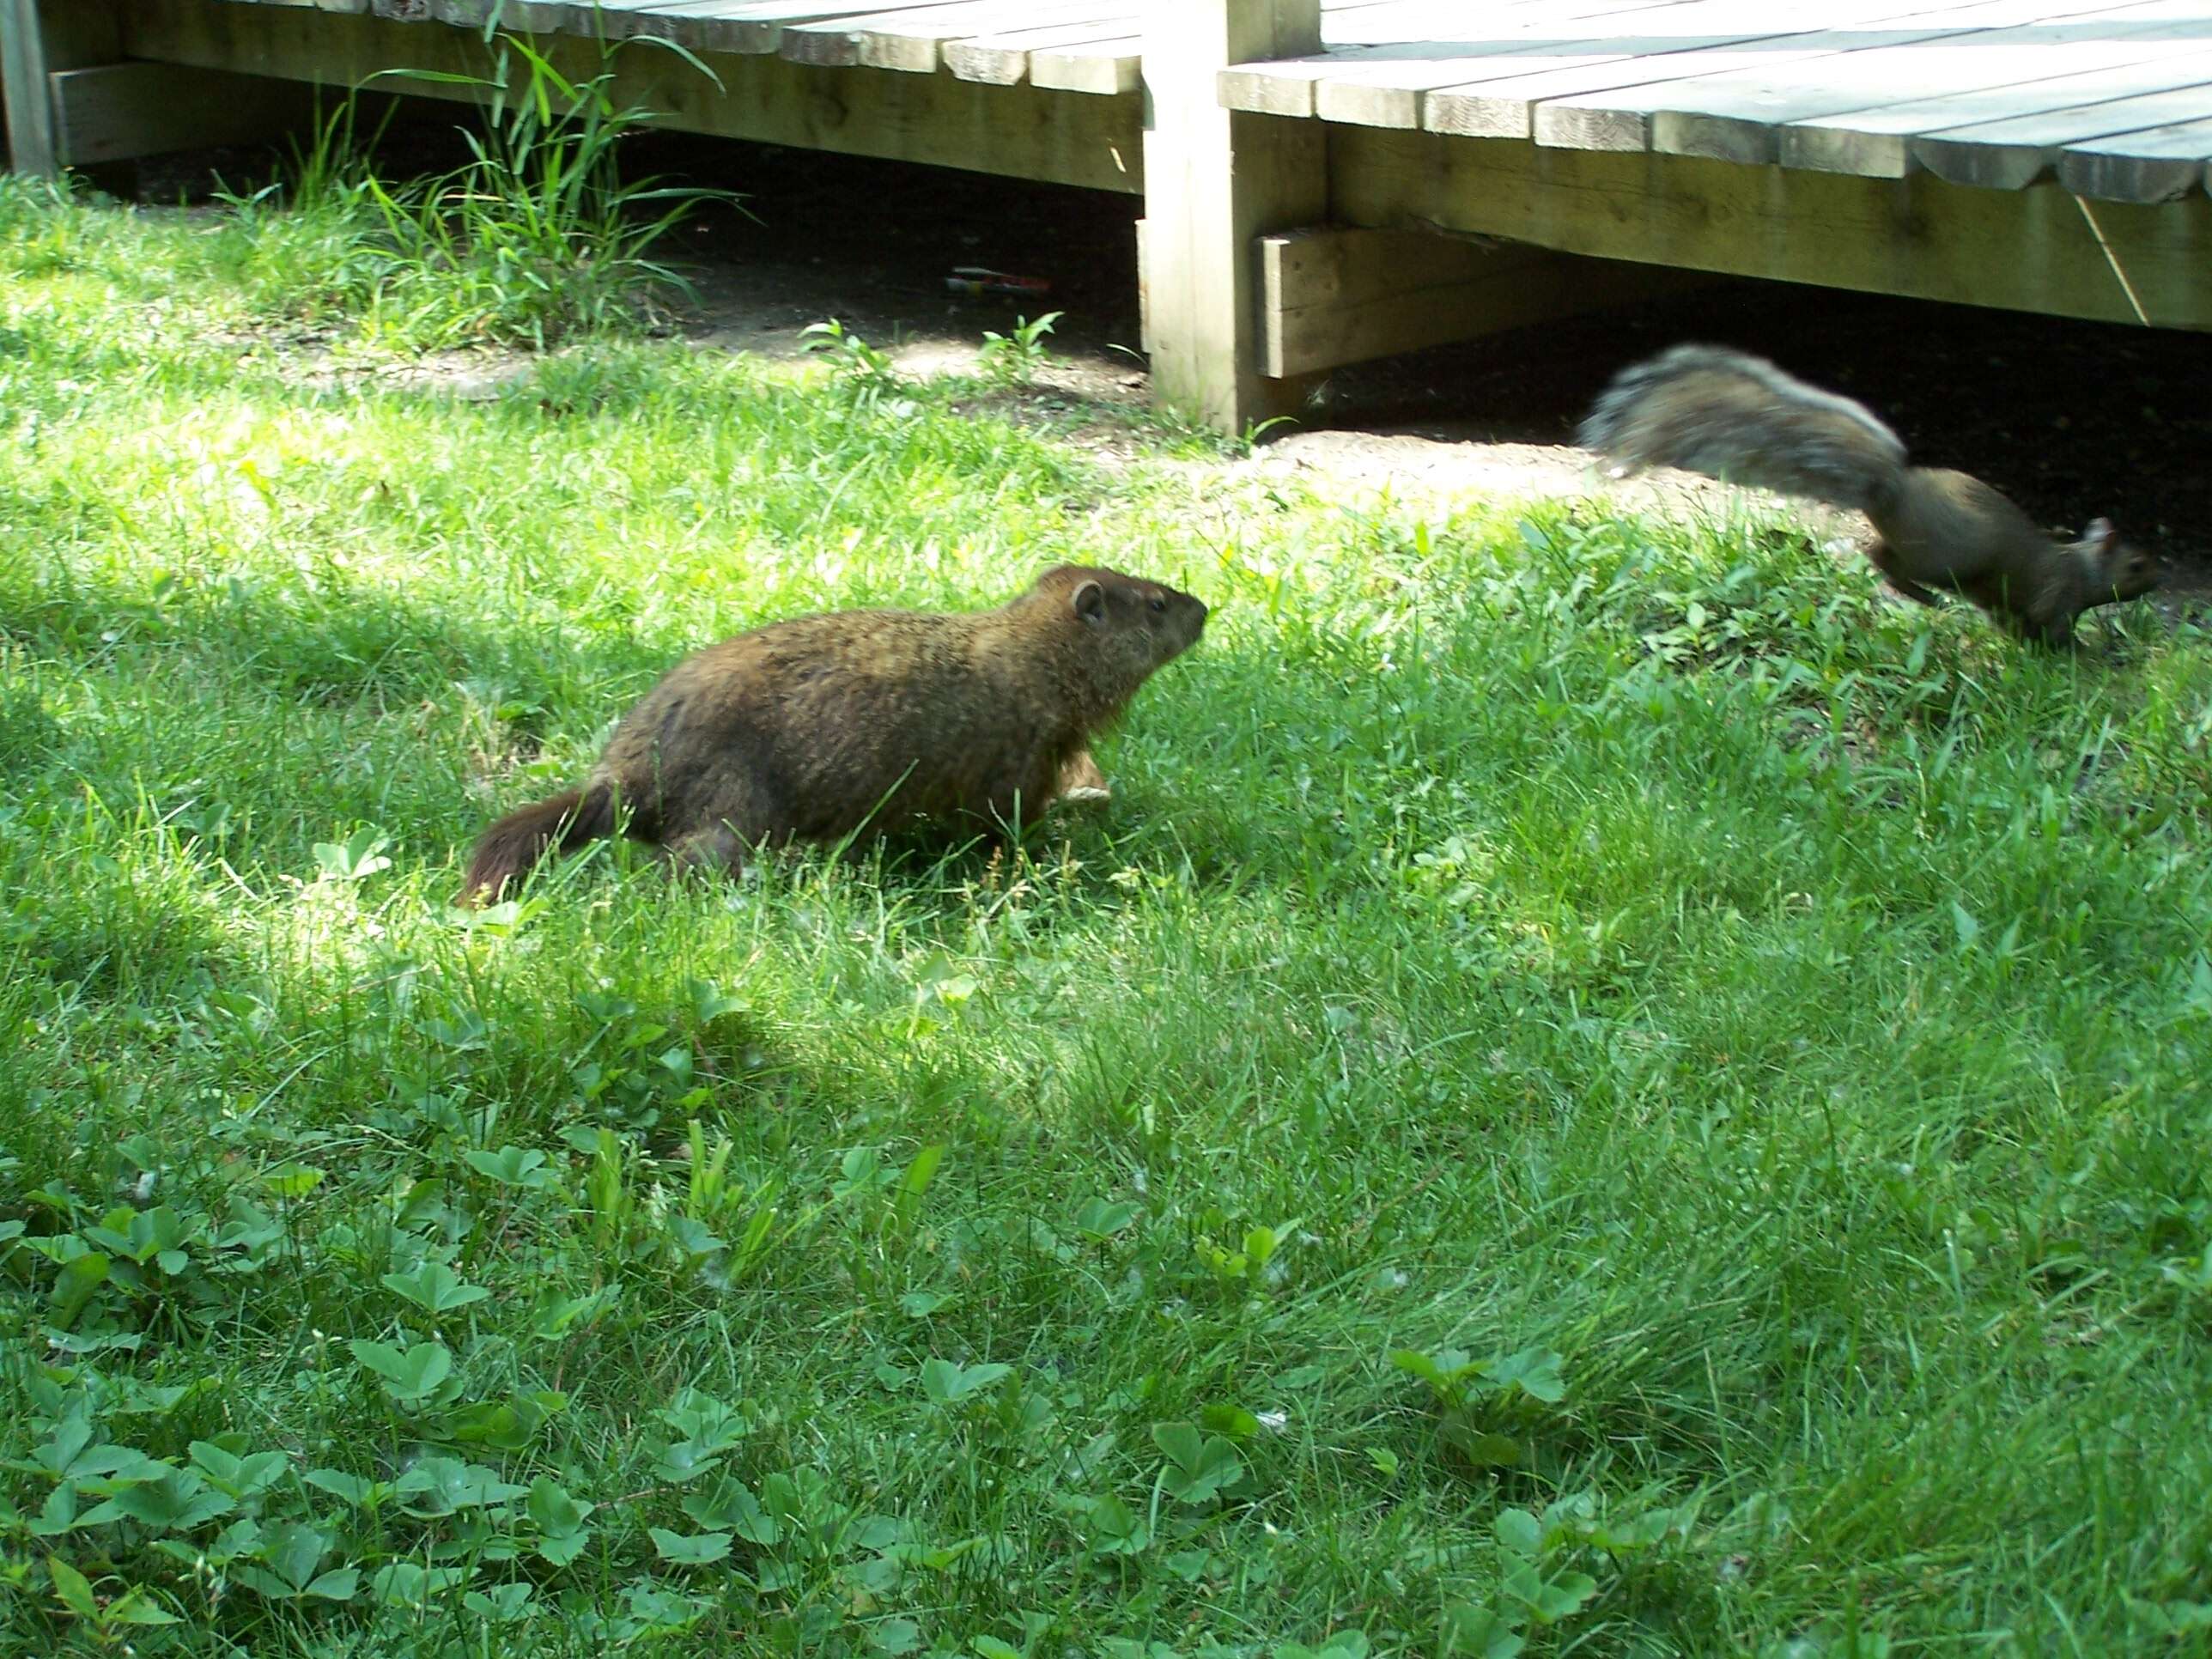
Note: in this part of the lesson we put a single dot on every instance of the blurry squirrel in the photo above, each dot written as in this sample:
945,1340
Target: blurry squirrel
1731,415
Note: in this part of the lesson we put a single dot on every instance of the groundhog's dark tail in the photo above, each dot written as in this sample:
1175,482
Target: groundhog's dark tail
519,840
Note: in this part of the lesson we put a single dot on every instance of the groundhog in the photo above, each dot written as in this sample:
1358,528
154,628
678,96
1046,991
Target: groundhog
860,721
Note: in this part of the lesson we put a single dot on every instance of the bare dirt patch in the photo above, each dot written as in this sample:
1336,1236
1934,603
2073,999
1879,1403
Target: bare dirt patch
2071,419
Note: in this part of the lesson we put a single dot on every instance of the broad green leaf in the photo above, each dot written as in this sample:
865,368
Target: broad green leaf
353,1488
1519,1532
292,1180
1548,1600
178,1502
1473,1632
435,1287
73,1289
700,1550
135,1607
551,1510
1232,1420
1199,1465
1116,1530
906,1202
237,1476
511,1166
72,1587
1098,1221
947,1384
294,1552
502,1604
1534,1372
407,1376
405,1584
440,1486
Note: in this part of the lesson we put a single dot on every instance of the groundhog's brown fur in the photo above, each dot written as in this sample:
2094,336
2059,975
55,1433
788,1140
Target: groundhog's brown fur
859,720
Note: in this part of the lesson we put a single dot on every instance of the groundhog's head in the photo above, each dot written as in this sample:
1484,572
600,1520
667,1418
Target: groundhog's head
1130,626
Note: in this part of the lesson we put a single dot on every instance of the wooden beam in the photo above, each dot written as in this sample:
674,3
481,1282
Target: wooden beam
1216,179
120,112
2027,249
38,38
1336,296
1015,131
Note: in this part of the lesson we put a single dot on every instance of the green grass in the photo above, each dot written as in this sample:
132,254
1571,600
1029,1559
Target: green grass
1742,1045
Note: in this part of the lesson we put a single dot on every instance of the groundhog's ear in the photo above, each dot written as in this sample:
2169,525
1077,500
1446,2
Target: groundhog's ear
1091,602
2101,536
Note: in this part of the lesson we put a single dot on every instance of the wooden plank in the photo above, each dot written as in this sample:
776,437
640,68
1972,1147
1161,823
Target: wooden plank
1102,66
2008,152
38,38
1400,54
524,15
119,111
1745,115
1003,59
1672,43
1742,117
2028,250
910,38
2161,165
737,25
1720,112
1377,93
1873,137
1337,295
1016,131
1216,180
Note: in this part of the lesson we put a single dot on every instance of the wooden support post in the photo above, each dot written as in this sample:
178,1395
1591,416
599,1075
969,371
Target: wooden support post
37,38
1215,179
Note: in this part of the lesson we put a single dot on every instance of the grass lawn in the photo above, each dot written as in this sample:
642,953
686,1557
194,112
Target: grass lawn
1596,1090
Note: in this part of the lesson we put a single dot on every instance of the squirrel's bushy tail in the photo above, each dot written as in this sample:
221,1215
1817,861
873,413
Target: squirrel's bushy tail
519,840
1731,415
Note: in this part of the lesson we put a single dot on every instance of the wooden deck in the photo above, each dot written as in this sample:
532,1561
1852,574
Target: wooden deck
2114,99
1300,158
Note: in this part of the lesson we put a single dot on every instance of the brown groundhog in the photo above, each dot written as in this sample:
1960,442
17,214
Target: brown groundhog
822,726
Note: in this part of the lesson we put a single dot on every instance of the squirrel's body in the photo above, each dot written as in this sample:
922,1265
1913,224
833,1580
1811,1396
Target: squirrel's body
1734,416
818,727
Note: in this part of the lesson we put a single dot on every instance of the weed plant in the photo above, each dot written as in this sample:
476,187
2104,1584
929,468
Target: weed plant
535,238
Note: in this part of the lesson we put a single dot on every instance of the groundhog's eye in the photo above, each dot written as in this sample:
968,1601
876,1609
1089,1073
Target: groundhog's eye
1158,604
